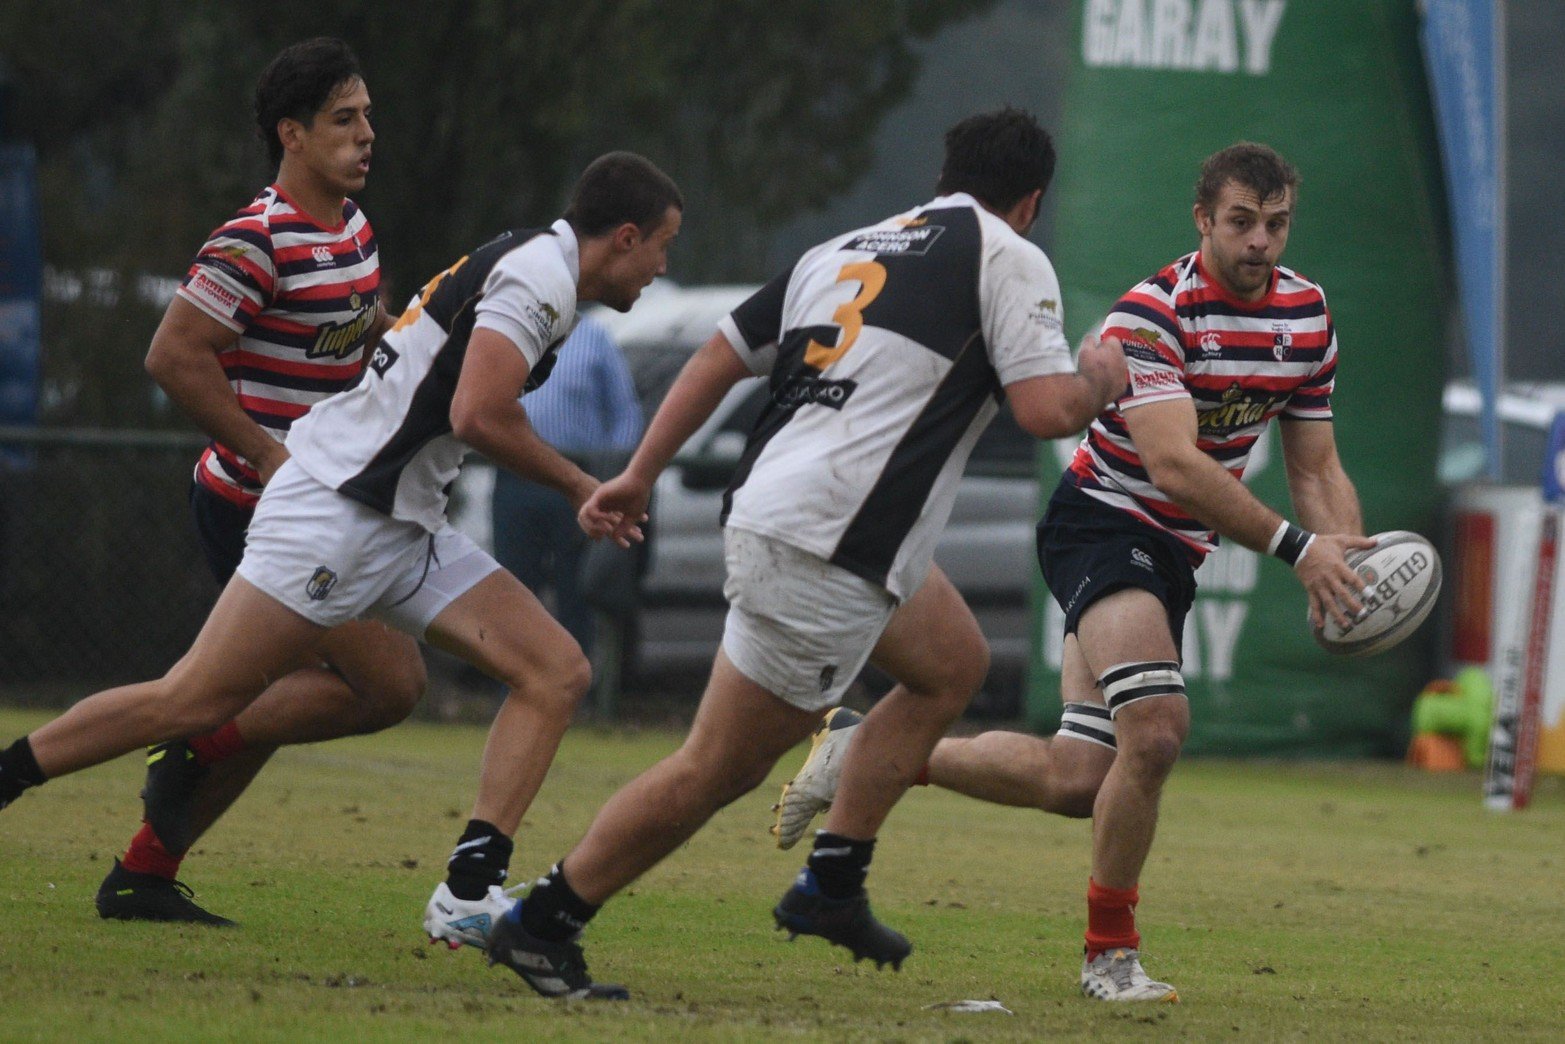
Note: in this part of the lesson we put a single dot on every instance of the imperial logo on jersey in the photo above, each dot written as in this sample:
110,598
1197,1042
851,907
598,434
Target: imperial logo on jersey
302,298
1240,363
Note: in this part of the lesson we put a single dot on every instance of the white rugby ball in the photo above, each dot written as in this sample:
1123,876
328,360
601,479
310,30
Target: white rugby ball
1403,572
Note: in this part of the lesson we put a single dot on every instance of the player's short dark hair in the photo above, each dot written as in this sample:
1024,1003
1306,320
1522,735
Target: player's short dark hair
997,158
298,83
1257,167
621,187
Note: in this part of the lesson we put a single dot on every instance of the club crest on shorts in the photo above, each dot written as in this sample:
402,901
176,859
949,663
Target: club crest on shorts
321,583
828,675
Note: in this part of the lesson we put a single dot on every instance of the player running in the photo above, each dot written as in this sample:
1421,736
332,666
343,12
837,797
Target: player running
888,350
353,523
273,316
1217,344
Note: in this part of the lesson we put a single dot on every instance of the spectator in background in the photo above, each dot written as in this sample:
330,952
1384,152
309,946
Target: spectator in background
589,413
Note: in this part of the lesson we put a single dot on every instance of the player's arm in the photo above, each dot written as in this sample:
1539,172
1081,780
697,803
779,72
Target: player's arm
1062,404
183,360
707,377
384,321
487,414
1165,433
1323,495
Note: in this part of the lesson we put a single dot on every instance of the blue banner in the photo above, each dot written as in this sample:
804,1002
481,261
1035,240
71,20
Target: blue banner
1463,52
21,277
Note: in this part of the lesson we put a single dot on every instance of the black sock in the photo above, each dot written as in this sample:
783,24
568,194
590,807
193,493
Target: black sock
553,911
840,864
482,858
18,771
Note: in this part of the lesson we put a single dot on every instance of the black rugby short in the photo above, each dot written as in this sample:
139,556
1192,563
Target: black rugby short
1087,549
220,528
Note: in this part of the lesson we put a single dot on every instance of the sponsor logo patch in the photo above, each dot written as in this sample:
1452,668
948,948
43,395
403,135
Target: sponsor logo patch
912,240
1155,381
323,256
382,358
1141,343
213,293
544,316
1239,409
1046,312
814,391
1141,558
321,583
1211,344
828,675
340,340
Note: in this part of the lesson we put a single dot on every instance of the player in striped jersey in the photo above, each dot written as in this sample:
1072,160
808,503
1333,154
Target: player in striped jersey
1217,344
273,316
888,350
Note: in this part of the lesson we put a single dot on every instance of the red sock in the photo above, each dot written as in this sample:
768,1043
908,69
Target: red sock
922,779
1111,919
146,855
216,746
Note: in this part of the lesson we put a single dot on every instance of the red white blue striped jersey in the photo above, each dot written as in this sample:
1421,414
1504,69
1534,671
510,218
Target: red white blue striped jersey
302,298
1241,363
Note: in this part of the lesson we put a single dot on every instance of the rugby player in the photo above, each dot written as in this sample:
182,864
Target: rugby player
888,350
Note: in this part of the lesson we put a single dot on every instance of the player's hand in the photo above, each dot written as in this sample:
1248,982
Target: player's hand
1102,364
1331,584
616,510
275,458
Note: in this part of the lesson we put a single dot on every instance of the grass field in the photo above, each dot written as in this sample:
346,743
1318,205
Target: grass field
1320,901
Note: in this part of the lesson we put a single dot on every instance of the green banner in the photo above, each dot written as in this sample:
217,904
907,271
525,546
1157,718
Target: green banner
1337,87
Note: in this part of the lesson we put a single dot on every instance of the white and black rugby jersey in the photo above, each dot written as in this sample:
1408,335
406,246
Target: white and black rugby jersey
887,350
386,442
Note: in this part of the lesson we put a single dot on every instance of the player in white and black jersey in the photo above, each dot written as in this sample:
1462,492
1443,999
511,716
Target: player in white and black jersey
887,350
1217,344
353,523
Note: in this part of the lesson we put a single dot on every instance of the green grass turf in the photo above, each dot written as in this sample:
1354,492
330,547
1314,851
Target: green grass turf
1286,901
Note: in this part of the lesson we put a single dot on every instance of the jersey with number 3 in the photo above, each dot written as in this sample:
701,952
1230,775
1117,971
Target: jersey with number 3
887,350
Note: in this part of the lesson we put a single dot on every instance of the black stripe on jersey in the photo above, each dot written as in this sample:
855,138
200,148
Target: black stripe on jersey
1153,316
759,318
1198,309
931,298
327,305
870,543
327,385
275,421
254,237
454,306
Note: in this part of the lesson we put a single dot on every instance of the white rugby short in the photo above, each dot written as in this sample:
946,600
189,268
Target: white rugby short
331,559
798,626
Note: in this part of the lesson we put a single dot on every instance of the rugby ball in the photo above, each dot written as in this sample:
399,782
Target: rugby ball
1402,572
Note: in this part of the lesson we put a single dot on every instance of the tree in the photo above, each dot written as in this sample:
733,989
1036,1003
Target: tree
485,111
